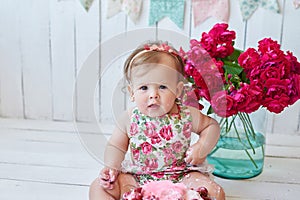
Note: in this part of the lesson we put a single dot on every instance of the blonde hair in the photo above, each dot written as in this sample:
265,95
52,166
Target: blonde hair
144,55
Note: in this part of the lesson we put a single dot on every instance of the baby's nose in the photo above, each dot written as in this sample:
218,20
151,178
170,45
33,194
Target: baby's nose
154,94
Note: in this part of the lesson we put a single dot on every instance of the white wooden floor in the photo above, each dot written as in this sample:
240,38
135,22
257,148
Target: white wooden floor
42,160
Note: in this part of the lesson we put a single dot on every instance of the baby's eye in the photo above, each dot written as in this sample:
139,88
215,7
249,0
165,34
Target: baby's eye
143,87
162,87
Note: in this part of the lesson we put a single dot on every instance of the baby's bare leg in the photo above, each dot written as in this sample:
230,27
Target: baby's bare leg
197,179
97,192
124,183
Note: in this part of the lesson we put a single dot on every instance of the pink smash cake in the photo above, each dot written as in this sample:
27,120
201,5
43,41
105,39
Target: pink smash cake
166,190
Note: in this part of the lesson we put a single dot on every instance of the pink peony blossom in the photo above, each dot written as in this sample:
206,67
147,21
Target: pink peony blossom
276,105
295,65
248,98
151,164
133,129
249,59
146,148
267,45
169,156
150,129
187,129
135,153
276,95
166,132
294,88
223,104
189,69
155,139
177,146
218,41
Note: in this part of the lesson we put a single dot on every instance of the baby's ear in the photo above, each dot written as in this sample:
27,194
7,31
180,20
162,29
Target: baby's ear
130,90
179,89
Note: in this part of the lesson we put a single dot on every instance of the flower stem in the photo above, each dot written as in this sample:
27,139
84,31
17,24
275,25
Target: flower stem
253,161
247,129
227,126
250,124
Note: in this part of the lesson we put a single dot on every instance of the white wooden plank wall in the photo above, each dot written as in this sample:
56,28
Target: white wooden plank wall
44,46
62,23
35,64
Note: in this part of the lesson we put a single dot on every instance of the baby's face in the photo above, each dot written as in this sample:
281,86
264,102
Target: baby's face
155,86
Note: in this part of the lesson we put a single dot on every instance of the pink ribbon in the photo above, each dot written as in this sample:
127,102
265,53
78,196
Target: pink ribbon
204,9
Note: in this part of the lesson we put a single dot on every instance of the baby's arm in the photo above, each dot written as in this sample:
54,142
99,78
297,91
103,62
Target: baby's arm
208,130
114,154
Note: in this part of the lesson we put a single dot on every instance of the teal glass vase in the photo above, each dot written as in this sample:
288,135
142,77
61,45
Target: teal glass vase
240,151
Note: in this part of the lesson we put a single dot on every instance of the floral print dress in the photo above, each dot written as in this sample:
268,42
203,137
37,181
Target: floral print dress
158,146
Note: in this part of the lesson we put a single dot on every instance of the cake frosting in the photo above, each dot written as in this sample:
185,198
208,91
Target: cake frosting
166,190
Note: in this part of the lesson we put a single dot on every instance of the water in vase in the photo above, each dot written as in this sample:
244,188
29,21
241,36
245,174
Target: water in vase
235,158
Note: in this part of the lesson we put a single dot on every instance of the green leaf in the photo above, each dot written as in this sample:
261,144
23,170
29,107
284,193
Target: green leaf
210,110
235,55
191,80
176,121
232,68
142,137
244,78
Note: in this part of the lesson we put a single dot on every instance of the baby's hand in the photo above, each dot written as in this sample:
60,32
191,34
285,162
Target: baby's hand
107,178
193,155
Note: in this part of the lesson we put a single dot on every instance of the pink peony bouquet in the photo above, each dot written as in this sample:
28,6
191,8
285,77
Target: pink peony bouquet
233,81
236,83
166,190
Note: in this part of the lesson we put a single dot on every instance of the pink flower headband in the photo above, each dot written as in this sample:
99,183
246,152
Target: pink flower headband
162,47
154,47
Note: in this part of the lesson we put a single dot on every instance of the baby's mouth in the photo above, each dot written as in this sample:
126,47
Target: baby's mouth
153,106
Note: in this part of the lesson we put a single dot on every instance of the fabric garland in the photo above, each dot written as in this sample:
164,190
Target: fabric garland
132,8
203,9
248,7
296,3
174,9
86,4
